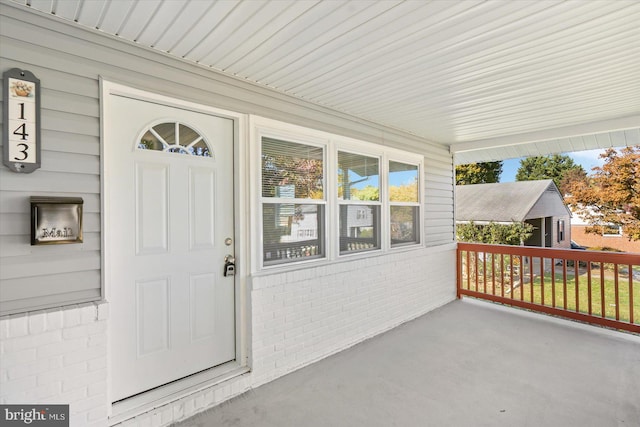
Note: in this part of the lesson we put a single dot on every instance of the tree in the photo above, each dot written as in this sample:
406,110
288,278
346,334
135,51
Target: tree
611,196
571,178
553,167
367,193
478,173
494,233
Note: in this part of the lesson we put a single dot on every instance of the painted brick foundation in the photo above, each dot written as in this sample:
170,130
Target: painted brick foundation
57,357
298,317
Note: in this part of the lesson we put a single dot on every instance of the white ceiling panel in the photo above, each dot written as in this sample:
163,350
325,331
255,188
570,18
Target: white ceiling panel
156,27
181,25
478,76
89,13
114,18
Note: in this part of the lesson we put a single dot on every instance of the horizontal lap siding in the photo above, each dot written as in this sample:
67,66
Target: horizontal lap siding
439,187
69,61
36,277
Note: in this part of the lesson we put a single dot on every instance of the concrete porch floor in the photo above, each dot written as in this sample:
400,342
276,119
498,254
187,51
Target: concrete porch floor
468,363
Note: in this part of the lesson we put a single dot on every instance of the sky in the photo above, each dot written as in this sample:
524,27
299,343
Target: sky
588,160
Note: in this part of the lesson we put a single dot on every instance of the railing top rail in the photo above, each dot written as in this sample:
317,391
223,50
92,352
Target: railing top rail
571,254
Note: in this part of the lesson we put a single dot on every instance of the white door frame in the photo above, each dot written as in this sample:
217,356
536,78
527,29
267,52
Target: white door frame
180,388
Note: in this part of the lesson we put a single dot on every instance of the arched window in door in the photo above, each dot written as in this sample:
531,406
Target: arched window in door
174,137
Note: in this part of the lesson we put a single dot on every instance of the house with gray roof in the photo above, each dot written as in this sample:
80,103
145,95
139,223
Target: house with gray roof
538,203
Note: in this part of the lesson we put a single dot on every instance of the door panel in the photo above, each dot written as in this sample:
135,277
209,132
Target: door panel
172,310
202,184
152,208
152,308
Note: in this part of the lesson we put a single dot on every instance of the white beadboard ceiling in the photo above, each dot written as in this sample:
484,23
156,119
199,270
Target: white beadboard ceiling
491,79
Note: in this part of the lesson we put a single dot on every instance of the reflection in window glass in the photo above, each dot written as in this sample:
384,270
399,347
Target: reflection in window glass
292,232
291,170
359,228
174,138
404,225
403,182
358,177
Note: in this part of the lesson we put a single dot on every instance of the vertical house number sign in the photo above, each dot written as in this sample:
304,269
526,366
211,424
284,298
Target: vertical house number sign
21,139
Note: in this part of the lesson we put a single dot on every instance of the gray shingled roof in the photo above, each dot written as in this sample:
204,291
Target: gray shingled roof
501,202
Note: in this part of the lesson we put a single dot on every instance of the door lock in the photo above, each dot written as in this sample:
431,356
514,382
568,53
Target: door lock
229,266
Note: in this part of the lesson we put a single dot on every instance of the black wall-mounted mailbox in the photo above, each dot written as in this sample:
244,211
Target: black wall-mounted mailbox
56,220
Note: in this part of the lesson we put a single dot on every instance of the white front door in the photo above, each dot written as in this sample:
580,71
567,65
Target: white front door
169,196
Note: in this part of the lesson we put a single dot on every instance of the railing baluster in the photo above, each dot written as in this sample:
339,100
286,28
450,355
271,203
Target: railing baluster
531,279
493,274
475,263
484,272
521,274
576,267
615,272
502,275
458,273
553,282
603,307
589,285
542,281
564,283
630,294
468,271
511,276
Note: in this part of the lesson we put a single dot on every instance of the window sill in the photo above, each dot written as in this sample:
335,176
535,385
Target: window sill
321,263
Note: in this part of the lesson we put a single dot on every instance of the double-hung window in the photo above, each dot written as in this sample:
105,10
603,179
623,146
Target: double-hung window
358,202
404,203
327,197
293,201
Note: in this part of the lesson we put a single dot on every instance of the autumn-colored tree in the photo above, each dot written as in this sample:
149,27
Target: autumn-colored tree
571,178
478,173
367,193
404,193
553,167
611,196
304,175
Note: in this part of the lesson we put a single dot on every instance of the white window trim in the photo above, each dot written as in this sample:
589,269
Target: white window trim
260,127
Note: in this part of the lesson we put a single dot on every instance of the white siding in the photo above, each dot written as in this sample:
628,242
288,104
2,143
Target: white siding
439,205
68,62
549,204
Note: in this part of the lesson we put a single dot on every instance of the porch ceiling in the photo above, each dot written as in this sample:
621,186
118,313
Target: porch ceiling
491,79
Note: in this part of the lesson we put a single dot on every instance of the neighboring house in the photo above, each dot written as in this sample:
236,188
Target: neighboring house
538,203
612,236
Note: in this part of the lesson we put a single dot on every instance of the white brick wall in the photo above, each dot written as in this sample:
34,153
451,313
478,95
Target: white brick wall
57,356
298,317
305,315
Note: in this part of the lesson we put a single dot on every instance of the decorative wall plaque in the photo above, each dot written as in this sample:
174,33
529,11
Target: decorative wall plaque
56,220
21,139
